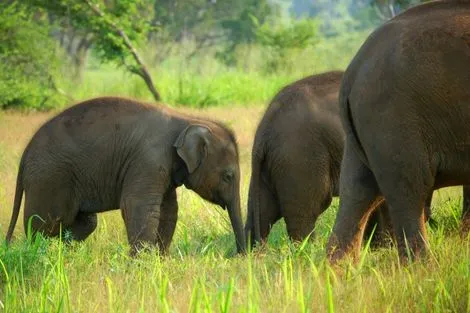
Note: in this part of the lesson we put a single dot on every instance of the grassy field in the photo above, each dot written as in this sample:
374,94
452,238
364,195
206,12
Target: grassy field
202,274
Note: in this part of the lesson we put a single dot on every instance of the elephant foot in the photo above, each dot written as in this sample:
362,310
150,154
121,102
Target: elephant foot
337,251
82,227
381,240
134,251
257,246
138,248
465,227
412,250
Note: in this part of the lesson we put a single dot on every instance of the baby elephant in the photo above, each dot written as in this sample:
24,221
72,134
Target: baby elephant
296,159
110,153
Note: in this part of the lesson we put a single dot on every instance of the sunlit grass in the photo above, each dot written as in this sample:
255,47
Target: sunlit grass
225,87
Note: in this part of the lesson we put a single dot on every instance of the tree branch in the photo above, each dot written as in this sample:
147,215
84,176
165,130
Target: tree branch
379,13
391,7
127,42
204,42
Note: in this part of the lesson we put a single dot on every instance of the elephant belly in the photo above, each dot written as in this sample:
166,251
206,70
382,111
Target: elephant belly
94,206
454,169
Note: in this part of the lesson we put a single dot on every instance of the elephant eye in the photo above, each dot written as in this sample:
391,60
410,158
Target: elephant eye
228,177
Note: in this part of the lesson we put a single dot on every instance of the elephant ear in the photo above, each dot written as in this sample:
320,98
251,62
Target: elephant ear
191,145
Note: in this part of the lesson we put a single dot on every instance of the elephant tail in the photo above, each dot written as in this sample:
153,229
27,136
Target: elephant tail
17,201
350,128
253,218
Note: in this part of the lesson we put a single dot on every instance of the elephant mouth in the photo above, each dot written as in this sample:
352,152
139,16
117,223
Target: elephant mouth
218,200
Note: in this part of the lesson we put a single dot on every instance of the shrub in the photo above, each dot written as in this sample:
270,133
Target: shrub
27,60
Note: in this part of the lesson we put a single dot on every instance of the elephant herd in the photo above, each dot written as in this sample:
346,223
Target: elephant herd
382,136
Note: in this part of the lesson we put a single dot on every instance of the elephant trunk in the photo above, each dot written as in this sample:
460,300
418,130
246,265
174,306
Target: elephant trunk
234,212
253,225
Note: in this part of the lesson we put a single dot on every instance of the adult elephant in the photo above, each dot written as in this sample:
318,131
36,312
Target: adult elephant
109,153
405,107
296,160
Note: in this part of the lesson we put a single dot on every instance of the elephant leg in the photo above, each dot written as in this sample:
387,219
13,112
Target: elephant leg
299,227
301,212
359,195
427,208
168,218
269,210
428,212
305,190
380,220
83,225
384,228
141,212
466,210
143,190
406,182
408,220
47,208
35,221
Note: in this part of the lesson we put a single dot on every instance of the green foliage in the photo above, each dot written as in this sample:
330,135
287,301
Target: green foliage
178,20
298,35
221,23
282,39
131,16
28,62
241,28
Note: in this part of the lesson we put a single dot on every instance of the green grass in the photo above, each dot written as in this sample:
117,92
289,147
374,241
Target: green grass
202,275
226,87
202,272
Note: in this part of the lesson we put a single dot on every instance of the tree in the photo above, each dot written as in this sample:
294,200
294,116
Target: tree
308,8
28,62
183,20
206,23
336,16
115,26
386,9
75,42
339,10
241,27
280,39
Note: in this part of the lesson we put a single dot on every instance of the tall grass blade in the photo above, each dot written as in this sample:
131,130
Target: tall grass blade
329,292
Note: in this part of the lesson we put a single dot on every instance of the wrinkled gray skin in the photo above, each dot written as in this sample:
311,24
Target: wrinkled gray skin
110,153
296,160
405,107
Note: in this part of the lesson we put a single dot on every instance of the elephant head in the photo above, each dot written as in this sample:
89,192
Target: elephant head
211,157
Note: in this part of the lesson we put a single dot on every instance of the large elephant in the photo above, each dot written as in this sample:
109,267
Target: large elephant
296,160
109,153
405,107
